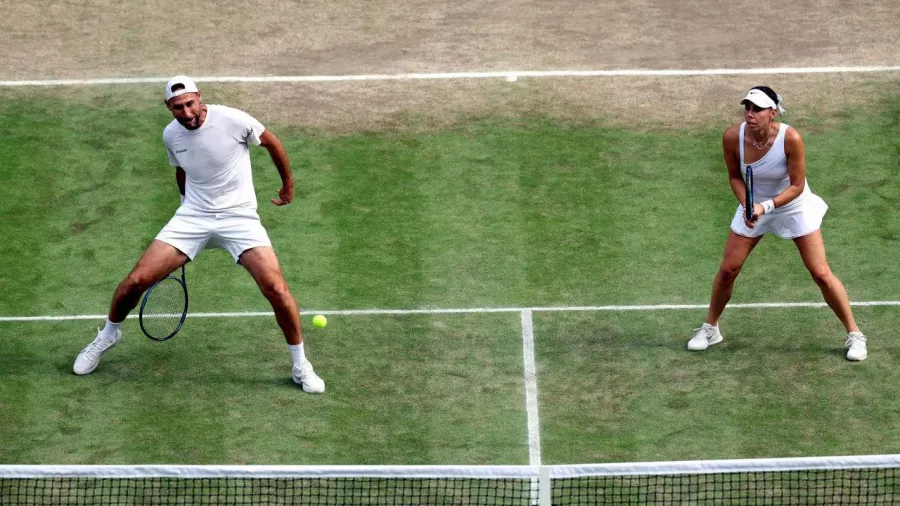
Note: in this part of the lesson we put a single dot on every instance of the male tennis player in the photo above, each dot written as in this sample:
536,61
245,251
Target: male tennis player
784,205
209,147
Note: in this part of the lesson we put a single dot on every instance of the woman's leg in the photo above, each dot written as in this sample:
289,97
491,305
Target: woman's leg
812,251
737,249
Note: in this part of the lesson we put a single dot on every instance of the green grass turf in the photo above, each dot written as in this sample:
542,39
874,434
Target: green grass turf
621,386
400,390
493,213
523,213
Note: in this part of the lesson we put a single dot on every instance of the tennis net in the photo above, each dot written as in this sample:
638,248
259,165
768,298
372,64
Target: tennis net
873,479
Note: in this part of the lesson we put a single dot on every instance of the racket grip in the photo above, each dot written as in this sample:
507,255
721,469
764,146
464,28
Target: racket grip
748,198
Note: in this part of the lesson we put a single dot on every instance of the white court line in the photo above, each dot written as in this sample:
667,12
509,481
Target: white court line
465,75
363,312
531,391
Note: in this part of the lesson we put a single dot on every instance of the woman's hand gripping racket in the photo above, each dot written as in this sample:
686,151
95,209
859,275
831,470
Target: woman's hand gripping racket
164,308
749,211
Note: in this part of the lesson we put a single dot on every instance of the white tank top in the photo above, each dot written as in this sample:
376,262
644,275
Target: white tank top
770,173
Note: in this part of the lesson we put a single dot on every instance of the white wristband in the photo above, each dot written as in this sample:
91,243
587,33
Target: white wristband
768,206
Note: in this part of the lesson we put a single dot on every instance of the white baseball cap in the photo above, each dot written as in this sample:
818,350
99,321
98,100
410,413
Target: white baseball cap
761,99
189,86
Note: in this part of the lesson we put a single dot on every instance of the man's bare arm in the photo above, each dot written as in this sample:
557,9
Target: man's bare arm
273,145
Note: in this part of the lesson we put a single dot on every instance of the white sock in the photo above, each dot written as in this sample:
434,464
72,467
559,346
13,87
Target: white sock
109,331
297,353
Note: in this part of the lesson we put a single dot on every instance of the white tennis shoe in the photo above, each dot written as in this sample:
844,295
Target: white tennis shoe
308,380
856,346
706,336
89,358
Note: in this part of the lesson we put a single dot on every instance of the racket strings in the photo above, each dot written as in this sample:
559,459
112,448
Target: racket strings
163,311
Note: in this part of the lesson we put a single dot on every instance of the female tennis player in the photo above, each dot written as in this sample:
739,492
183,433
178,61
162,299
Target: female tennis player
209,147
783,205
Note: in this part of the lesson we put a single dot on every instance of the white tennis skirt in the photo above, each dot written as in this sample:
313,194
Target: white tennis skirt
789,222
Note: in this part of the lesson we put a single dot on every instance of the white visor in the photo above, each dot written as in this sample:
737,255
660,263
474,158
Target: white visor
759,98
187,82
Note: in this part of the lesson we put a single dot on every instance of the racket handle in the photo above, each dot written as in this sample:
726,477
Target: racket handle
748,188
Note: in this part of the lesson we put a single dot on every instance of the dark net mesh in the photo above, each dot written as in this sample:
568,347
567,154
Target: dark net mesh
812,487
790,487
265,491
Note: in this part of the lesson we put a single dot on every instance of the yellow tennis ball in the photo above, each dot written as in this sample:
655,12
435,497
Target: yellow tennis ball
319,321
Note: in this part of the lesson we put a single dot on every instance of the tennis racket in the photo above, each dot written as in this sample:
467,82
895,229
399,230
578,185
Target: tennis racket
748,204
164,307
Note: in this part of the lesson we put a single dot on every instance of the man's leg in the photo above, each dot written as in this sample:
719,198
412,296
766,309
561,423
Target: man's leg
156,263
263,265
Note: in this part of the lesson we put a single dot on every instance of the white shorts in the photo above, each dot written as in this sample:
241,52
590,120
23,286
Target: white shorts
191,232
789,222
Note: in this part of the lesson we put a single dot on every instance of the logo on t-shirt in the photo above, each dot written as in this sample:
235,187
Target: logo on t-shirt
177,151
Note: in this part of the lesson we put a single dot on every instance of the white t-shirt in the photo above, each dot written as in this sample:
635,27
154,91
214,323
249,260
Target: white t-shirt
216,159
